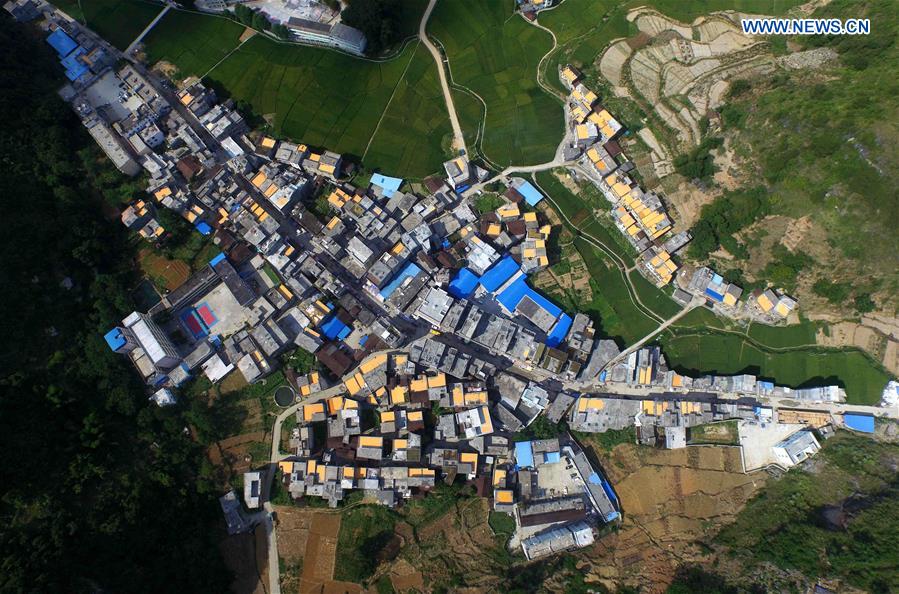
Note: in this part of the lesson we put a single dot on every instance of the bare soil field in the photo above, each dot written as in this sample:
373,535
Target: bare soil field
318,559
670,499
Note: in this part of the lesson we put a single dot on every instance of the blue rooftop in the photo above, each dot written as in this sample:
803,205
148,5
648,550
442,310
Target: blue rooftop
859,422
334,328
463,284
524,454
516,292
217,259
550,457
74,68
559,331
499,273
62,43
203,228
530,194
714,295
389,185
410,270
114,339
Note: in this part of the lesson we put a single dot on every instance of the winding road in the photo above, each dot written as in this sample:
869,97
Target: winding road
458,137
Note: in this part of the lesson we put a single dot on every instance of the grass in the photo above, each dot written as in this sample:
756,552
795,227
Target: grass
116,21
501,523
391,113
495,54
488,202
364,530
724,433
607,440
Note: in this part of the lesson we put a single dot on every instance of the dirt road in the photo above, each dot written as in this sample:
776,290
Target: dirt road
458,138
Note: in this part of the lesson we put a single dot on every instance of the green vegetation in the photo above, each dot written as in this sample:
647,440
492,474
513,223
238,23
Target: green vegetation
839,521
692,579
488,202
364,532
501,523
824,143
724,433
436,504
494,54
116,21
725,216
834,292
389,113
183,242
541,428
699,163
607,440
300,360
381,20
711,351
99,488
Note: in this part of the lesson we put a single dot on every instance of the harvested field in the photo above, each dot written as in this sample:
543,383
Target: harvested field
319,557
670,499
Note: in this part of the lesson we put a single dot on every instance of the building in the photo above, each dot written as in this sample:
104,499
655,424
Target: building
252,489
556,540
796,448
338,36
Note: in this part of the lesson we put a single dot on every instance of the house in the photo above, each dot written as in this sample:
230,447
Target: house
796,448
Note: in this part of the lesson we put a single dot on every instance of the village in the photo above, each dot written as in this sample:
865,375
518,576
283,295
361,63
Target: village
434,353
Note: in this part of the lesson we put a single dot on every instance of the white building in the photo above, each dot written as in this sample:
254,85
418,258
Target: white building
796,448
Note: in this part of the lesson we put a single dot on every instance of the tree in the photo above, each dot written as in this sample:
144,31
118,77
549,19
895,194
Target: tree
260,22
281,31
118,504
377,19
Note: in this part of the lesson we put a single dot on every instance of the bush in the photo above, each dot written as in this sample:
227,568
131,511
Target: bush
835,293
699,163
724,217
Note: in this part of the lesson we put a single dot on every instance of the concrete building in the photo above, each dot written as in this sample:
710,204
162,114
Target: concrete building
796,448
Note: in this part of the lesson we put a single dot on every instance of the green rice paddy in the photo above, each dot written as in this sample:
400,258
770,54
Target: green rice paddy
494,53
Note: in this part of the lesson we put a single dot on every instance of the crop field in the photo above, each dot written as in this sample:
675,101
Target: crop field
194,43
716,352
495,54
391,113
116,21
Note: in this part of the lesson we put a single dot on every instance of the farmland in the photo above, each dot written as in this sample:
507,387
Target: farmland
494,54
391,113
118,22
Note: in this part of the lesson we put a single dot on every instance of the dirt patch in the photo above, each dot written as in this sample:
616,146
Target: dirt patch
233,453
687,201
247,33
796,232
167,69
233,382
671,499
405,577
165,273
